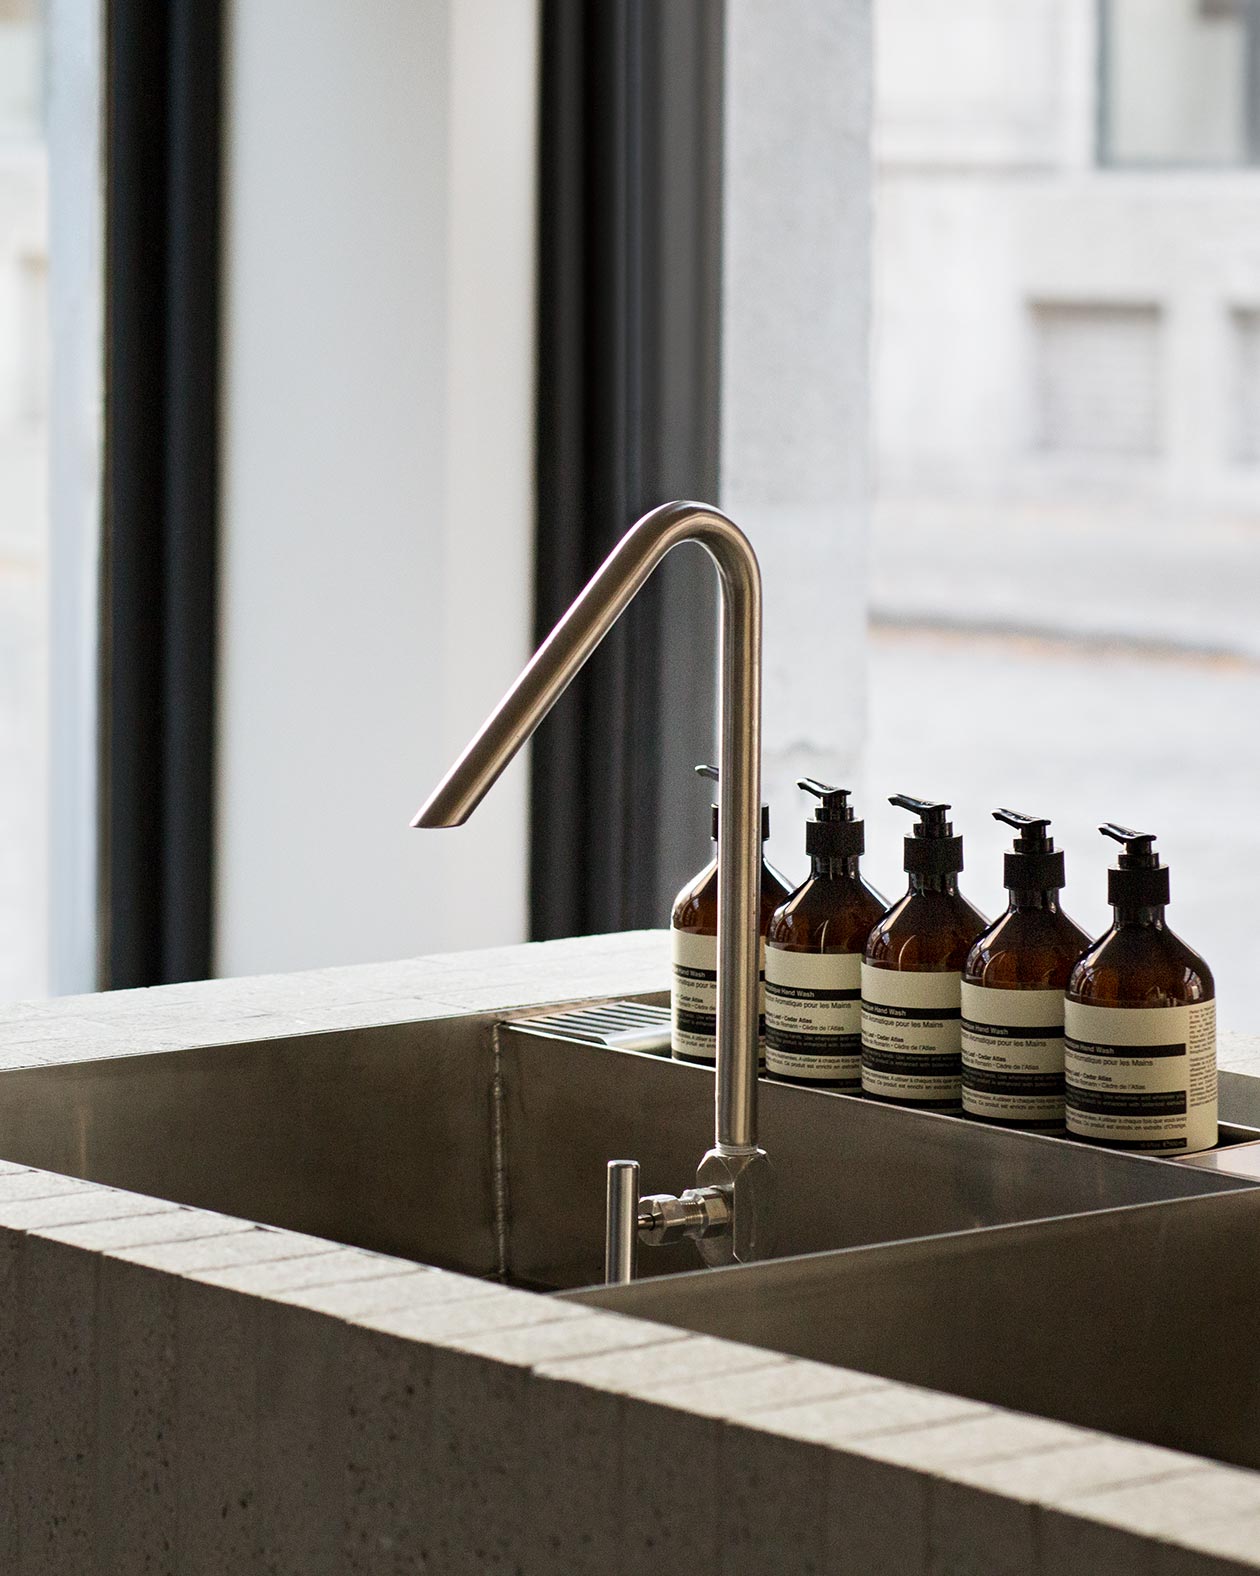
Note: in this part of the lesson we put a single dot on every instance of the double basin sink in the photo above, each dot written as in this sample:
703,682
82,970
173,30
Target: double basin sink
1113,1291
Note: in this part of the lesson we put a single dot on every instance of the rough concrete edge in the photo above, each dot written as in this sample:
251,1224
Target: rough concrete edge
388,983
651,1366
169,1019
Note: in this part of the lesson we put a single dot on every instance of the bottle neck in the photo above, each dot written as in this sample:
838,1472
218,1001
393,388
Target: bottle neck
946,883
822,868
1044,899
1150,915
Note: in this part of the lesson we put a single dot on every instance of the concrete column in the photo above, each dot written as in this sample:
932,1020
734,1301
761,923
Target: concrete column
795,378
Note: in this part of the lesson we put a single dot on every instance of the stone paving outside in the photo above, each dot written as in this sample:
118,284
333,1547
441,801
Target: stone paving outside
1143,709
1169,745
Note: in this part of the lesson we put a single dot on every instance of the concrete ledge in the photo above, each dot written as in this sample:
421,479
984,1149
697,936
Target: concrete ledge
268,1006
185,1391
177,1393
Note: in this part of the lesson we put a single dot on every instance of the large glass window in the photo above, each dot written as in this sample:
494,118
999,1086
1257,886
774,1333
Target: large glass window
1066,412
1178,82
24,376
50,422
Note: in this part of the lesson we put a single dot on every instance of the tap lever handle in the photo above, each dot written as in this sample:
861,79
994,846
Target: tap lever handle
621,1222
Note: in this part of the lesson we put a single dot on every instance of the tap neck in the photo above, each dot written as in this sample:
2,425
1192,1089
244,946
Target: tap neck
947,883
1140,915
824,869
1040,898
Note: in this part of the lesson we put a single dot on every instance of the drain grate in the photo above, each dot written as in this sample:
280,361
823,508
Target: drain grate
619,1025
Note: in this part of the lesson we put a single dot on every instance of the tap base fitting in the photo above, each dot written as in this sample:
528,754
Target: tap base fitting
747,1179
696,1213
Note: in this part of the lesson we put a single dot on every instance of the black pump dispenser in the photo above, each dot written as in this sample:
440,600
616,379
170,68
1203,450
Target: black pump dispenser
834,833
1140,1021
1034,864
912,972
693,928
1138,880
814,948
711,772
931,849
1012,989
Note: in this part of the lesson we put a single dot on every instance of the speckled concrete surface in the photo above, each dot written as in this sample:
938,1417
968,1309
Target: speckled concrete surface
187,1392
264,1006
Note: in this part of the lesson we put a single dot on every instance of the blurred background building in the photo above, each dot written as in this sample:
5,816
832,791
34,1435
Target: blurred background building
1066,427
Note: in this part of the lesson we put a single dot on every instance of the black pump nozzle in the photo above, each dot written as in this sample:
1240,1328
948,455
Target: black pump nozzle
712,773
932,822
1034,865
1139,847
1033,838
1139,881
833,833
932,849
835,804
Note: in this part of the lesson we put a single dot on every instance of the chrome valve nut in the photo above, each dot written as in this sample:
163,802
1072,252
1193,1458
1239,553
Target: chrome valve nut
696,1213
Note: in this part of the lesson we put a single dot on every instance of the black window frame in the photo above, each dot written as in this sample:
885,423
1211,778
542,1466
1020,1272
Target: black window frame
629,334
163,161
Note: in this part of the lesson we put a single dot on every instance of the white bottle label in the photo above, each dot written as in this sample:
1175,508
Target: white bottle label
911,1046
814,1016
1012,1055
693,1001
1142,1078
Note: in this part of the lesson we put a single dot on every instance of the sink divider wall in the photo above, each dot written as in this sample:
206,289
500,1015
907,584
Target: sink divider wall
1142,1321
482,1148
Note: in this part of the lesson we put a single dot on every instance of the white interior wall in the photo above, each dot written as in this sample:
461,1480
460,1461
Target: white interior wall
377,509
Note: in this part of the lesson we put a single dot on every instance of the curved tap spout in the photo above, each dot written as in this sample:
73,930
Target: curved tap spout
735,1163
549,674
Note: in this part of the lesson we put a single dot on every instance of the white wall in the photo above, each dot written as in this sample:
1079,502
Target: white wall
377,509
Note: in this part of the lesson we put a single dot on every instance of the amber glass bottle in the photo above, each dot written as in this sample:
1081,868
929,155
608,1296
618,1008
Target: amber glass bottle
1140,1021
693,933
1012,990
814,950
912,973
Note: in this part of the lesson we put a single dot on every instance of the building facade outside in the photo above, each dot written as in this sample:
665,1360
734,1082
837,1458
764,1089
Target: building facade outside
1066,419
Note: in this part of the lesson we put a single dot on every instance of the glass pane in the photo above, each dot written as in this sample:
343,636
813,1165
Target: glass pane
1066,411
50,403
24,357
1175,82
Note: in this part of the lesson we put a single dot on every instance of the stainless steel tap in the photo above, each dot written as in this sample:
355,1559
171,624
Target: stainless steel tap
728,1212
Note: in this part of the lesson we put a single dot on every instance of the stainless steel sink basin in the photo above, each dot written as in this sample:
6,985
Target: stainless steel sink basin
1140,1321
483,1151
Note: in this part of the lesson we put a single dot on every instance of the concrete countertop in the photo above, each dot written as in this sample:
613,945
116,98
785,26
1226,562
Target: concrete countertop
186,1391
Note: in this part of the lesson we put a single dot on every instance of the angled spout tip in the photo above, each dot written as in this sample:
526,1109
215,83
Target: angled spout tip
463,788
432,813
545,678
